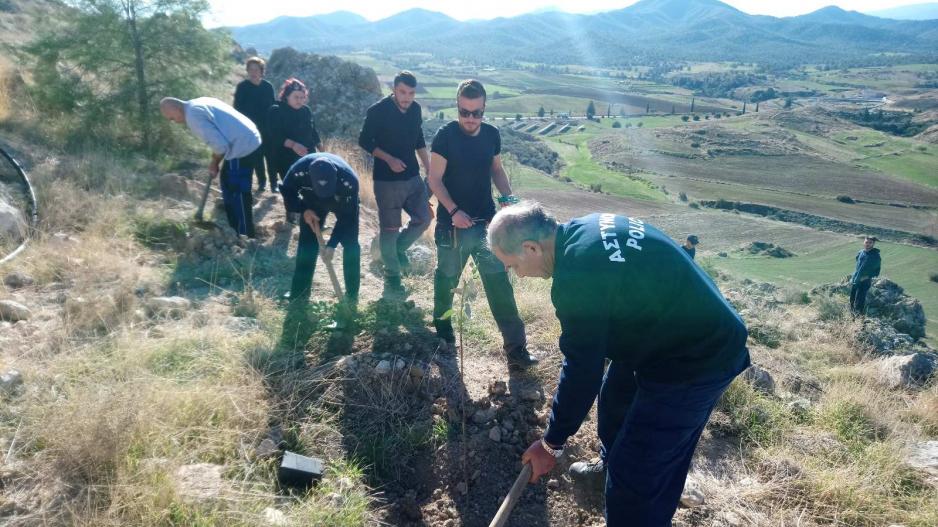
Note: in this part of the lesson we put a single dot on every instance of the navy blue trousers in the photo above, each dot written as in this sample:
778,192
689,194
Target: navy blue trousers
649,431
346,229
236,194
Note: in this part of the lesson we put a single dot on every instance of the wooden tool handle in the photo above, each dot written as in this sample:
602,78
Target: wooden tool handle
208,186
336,287
512,498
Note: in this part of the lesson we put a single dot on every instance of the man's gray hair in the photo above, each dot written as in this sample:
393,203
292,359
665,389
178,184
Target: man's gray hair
514,225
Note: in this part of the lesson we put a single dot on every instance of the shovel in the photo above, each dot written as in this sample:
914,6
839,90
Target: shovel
336,288
199,214
512,498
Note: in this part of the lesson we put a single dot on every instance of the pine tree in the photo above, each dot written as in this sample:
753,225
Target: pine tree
132,52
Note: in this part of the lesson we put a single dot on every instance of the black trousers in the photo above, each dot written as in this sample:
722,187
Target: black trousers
858,296
454,247
346,228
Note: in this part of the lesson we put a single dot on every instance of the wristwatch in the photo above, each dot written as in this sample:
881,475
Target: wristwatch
556,452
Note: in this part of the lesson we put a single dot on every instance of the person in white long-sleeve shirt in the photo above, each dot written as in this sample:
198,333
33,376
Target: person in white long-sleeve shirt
233,139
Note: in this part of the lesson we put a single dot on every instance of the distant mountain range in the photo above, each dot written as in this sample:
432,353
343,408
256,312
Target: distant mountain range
648,31
927,11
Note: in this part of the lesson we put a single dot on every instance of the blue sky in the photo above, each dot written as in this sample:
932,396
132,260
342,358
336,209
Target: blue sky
240,12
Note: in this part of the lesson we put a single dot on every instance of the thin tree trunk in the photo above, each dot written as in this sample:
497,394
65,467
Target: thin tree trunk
143,100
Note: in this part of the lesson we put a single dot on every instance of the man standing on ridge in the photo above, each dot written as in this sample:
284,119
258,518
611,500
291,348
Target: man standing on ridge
624,292
868,264
232,138
393,133
253,97
466,161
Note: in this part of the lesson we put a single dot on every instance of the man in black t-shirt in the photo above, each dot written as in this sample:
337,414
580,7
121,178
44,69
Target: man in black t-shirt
253,97
393,134
465,163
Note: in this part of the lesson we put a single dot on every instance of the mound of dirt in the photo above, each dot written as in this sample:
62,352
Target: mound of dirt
768,249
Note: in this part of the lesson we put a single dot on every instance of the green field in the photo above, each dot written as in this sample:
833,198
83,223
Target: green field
899,157
582,169
526,178
907,266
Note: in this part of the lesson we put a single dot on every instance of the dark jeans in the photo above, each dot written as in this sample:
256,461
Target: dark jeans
236,193
858,296
258,159
392,198
454,247
307,251
649,431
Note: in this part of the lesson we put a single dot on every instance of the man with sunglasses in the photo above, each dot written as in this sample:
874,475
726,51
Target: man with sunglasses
393,134
464,164
314,186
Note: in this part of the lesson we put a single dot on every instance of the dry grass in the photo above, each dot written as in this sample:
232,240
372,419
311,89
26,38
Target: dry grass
6,95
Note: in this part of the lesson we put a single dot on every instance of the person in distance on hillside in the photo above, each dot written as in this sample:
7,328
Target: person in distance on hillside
253,97
690,245
232,138
291,129
868,264
624,292
314,186
393,134
465,162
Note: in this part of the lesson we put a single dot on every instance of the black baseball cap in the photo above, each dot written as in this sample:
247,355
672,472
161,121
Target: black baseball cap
693,239
322,177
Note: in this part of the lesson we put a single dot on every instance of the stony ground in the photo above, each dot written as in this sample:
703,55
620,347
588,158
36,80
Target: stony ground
439,434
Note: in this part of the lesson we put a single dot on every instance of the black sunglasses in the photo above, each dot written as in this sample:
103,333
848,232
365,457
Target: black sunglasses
477,114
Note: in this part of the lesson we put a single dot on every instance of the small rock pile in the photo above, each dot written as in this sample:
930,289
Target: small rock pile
213,243
769,249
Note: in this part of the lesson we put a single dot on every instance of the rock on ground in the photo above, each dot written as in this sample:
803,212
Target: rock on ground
17,280
905,371
12,222
200,482
11,311
924,456
886,300
10,380
422,261
168,306
760,379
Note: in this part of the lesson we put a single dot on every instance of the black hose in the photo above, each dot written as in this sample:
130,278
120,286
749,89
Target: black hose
33,206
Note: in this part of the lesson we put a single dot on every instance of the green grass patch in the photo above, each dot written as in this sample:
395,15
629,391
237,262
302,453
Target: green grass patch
757,418
158,232
581,168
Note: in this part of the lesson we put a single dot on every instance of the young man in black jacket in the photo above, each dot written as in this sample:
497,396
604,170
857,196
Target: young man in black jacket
868,263
314,186
393,134
626,293
465,163
253,97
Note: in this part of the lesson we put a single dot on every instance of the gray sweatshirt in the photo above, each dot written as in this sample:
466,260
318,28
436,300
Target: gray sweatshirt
226,131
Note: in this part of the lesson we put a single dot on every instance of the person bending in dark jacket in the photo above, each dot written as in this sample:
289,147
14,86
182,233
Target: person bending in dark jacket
625,292
393,134
314,186
290,128
868,263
